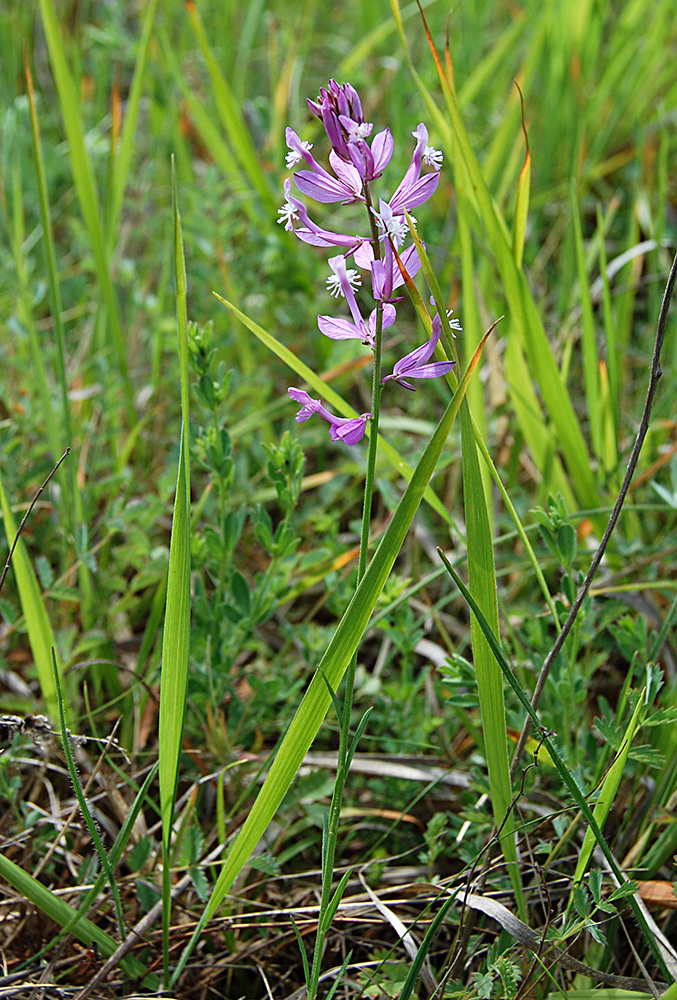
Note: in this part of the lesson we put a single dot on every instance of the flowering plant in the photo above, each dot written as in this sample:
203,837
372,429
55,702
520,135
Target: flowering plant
355,164
357,161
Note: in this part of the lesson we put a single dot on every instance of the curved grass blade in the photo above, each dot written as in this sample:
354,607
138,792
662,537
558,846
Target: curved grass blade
64,915
331,668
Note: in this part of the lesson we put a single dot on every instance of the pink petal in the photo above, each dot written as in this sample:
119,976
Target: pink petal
339,329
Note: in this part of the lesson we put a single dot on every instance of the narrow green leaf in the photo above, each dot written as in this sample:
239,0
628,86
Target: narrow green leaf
526,324
86,186
519,228
125,151
231,117
588,336
613,359
176,635
482,581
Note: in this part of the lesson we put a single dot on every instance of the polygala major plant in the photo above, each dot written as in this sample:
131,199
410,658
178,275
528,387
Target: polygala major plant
390,262
382,252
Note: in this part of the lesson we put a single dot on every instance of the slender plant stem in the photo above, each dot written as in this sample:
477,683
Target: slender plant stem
331,831
654,379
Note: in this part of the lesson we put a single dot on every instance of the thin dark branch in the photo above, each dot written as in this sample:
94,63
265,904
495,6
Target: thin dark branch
28,514
654,379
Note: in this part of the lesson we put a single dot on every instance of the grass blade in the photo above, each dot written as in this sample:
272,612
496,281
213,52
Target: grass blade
527,327
125,151
588,337
86,187
176,636
482,580
231,118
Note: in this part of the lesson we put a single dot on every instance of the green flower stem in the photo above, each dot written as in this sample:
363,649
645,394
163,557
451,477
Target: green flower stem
331,831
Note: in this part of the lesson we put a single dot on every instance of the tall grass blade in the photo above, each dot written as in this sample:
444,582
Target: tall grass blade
73,496
331,668
613,361
85,185
482,574
519,229
176,636
527,326
588,337
25,296
231,117
123,154
482,581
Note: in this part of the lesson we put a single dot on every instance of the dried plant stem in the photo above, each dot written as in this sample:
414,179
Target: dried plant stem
654,379
28,514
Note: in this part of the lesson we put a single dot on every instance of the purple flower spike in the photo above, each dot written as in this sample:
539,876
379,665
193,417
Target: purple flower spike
340,110
415,365
350,430
336,102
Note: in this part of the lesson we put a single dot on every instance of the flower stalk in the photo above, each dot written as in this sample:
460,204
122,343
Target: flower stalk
357,161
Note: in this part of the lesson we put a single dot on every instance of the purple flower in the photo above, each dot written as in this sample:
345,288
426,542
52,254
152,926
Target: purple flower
340,110
294,211
415,365
317,182
385,274
359,328
350,430
337,101
413,190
